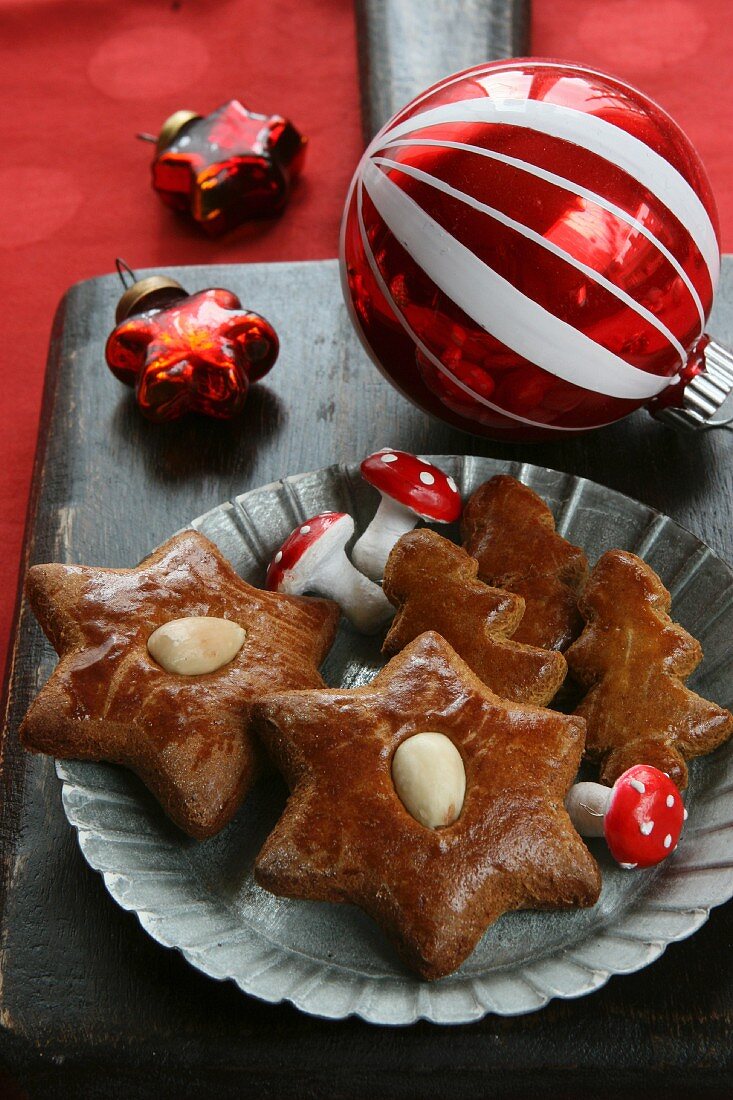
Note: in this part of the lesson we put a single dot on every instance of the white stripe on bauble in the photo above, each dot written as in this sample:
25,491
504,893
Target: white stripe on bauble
429,355
566,185
538,239
490,69
498,307
597,136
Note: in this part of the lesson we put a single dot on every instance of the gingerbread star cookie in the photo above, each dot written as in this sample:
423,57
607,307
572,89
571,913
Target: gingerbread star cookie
427,801
511,532
433,584
633,660
160,666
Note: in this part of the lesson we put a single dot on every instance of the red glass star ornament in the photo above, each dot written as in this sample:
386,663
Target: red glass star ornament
194,353
228,167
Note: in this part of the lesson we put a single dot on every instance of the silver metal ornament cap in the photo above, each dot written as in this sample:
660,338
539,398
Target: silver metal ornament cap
153,291
172,127
693,404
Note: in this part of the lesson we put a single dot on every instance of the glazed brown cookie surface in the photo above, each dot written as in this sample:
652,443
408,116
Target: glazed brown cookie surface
346,835
433,584
511,532
186,736
632,659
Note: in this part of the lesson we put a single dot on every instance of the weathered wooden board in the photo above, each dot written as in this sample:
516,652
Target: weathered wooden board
407,45
89,1005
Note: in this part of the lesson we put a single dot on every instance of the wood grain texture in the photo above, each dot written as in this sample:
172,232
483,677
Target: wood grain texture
90,1006
407,45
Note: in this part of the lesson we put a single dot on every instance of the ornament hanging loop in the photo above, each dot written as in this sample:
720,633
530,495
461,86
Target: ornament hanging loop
124,270
727,423
147,292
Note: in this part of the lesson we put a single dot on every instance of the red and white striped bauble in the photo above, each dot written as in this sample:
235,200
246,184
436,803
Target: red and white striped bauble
530,248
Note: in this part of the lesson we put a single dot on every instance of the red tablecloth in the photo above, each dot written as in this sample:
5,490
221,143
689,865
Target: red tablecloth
81,77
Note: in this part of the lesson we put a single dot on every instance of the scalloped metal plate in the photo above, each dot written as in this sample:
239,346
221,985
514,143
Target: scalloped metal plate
331,960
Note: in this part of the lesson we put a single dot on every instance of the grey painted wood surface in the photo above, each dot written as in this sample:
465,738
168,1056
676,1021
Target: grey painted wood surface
406,45
89,1005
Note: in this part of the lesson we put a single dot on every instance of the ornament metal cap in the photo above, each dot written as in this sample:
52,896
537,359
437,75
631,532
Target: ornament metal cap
692,404
172,127
154,290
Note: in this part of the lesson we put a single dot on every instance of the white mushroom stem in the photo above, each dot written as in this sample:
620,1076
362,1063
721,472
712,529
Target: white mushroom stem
363,603
391,521
587,804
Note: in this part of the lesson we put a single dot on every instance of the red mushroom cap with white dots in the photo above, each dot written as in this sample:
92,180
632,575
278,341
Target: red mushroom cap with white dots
307,535
644,820
414,483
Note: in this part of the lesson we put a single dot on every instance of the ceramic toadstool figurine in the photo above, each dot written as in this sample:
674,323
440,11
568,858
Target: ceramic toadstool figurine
411,489
641,816
313,559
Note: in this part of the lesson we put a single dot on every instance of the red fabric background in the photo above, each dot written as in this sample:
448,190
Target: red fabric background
78,78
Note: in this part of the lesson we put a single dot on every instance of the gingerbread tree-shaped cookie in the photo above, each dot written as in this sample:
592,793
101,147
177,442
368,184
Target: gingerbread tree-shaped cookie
511,532
633,659
433,584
